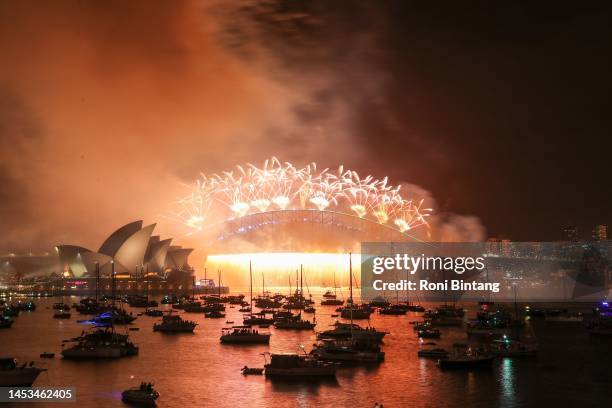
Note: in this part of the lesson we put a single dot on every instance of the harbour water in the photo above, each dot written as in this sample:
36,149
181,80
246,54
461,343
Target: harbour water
196,370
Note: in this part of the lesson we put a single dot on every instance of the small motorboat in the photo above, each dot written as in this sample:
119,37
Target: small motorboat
251,371
429,334
143,396
134,329
47,354
433,353
466,357
229,322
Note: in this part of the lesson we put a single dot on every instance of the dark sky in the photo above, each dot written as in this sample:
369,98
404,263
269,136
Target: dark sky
501,110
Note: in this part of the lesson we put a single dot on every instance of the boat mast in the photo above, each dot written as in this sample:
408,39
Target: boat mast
113,289
251,287
205,281
334,271
301,285
97,281
351,290
219,285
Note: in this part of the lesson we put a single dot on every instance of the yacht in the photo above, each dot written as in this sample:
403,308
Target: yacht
173,323
348,351
243,335
393,310
295,323
348,330
100,343
465,357
429,334
294,365
14,375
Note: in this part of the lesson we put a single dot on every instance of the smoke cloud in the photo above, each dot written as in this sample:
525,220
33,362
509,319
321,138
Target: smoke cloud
108,109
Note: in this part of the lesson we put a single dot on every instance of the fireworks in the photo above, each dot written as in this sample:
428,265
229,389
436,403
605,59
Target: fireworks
282,186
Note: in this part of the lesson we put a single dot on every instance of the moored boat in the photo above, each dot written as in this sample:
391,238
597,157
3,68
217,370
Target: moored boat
294,365
144,395
14,375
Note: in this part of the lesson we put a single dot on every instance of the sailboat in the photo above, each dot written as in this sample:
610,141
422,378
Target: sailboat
103,341
244,334
331,299
352,311
218,308
62,310
354,349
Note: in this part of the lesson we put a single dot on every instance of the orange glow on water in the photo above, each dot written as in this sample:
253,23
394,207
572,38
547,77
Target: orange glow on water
279,267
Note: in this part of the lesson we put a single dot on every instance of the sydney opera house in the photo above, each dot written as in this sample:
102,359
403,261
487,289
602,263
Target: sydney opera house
132,250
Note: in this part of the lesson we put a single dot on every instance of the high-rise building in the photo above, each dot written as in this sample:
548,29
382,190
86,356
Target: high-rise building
570,233
600,233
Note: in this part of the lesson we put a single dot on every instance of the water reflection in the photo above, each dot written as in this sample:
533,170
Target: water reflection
507,382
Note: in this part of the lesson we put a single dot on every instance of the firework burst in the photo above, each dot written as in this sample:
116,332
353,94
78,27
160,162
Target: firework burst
281,186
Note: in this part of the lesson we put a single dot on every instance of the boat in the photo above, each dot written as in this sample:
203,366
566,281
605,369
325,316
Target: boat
415,308
379,301
169,300
62,314
144,395
99,343
10,311
251,370
348,330
465,357
173,323
332,302
47,355
437,353
14,375
28,306
355,312
354,349
429,334
446,315
330,298
5,322
487,324
348,351
393,310
114,315
294,323
564,317
243,335
153,312
294,365
507,347
215,314
329,294
309,309
257,319
60,306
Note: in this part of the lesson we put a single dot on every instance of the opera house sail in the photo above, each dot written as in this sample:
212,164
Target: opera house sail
133,248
